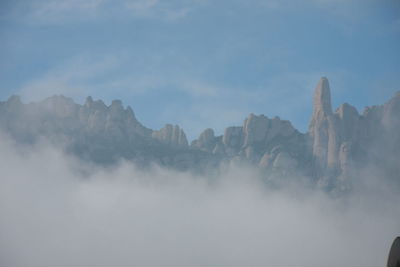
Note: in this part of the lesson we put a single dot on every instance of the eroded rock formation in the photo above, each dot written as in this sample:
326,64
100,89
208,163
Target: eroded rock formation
339,146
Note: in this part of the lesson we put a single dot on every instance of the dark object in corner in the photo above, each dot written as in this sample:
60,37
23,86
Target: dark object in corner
394,255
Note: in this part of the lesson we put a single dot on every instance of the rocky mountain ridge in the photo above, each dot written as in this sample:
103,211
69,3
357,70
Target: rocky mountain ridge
339,145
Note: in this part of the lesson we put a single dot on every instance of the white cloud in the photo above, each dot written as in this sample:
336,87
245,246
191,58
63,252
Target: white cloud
55,215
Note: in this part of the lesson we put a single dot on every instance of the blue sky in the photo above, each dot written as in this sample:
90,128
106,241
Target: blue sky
202,63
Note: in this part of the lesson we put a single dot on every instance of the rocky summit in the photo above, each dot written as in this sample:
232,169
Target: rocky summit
340,146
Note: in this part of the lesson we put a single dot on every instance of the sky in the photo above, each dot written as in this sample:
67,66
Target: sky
202,63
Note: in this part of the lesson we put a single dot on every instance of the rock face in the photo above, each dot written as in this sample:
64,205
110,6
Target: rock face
93,131
260,141
206,141
345,142
333,136
171,135
339,147
322,127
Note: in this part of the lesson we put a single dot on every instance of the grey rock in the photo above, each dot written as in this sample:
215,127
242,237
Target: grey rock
266,160
206,141
321,125
233,140
255,129
338,147
172,136
284,161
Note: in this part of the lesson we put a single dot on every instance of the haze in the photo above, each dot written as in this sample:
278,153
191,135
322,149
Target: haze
57,211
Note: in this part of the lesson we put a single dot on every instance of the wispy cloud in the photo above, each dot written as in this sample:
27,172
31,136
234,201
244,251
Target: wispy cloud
74,78
63,11
67,11
83,75
54,11
169,10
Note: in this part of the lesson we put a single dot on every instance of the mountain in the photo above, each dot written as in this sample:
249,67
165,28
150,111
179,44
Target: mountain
339,147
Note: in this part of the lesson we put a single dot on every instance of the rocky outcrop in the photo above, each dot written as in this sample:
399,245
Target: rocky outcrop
322,127
206,141
379,139
332,136
172,136
345,142
233,140
339,146
268,143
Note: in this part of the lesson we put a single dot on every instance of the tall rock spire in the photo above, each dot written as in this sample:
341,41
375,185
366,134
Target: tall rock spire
322,107
322,98
322,127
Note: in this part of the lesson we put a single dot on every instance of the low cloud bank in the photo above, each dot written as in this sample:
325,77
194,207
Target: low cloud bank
58,211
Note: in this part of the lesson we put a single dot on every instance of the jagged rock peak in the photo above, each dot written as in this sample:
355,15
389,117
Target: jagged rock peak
59,100
98,104
206,140
171,135
14,99
130,112
89,101
322,98
116,108
116,103
322,128
346,110
207,135
255,128
391,112
233,137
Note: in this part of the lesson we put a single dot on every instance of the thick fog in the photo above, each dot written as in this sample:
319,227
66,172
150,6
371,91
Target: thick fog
58,211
